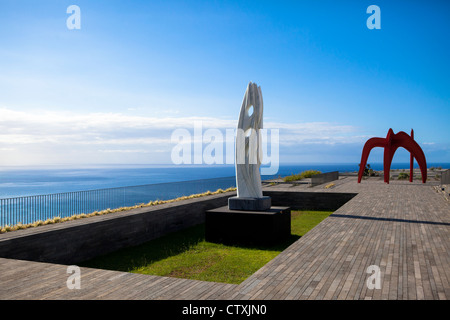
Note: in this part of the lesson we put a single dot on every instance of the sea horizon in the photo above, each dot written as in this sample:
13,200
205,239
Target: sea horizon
17,181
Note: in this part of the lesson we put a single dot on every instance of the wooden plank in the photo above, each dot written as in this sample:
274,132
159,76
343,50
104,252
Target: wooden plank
403,228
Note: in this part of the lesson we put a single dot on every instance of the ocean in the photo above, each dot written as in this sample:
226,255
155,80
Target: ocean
17,182
40,193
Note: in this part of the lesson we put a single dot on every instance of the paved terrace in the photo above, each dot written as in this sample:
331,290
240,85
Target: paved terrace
404,228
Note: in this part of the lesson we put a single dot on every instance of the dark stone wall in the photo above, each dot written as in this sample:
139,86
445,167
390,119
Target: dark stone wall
324,177
326,201
445,177
79,240
76,241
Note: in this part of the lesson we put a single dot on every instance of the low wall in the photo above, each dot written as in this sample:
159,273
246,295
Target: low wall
79,240
320,201
445,177
324,178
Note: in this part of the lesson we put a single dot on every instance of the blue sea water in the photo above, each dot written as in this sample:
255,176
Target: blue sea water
16,182
31,194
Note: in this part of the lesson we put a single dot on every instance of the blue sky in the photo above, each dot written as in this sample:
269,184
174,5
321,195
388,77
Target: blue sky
113,91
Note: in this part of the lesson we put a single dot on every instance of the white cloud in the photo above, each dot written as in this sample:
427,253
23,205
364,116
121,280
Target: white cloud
125,150
98,136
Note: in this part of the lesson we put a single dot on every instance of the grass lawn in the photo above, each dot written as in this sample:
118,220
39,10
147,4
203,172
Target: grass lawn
186,254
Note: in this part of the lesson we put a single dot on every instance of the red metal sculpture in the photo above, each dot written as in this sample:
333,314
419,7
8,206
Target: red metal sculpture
390,144
411,161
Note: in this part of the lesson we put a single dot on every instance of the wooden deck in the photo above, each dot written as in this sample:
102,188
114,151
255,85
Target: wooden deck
403,228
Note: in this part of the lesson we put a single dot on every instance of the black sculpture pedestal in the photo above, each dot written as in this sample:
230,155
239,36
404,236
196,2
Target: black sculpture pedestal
250,204
246,227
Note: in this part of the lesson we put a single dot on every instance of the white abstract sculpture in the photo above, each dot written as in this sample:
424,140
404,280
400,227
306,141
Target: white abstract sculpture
249,153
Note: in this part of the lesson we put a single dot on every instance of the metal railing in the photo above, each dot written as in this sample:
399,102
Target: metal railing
29,209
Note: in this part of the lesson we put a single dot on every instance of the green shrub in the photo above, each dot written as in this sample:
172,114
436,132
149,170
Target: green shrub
368,172
302,175
403,176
